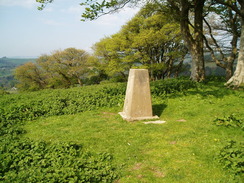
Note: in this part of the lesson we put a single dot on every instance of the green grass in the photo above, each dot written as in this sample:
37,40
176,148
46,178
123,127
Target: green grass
184,149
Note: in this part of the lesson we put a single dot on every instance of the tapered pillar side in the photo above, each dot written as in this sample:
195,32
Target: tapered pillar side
138,105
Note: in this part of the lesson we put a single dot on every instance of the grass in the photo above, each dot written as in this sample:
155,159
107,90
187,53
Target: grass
183,149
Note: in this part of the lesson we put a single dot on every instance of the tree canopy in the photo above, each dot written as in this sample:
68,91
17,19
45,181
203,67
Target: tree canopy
61,69
150,40
190,14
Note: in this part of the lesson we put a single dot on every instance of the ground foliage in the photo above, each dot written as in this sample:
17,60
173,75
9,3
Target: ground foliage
230,121
30,106
24,160
29,161
231,156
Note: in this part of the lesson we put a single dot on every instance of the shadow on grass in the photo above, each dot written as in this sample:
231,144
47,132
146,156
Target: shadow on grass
158,109
214,89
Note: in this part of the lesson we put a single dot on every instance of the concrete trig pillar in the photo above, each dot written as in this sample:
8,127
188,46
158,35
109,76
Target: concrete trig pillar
138,102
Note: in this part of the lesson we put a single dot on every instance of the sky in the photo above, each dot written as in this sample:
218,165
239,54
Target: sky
27,32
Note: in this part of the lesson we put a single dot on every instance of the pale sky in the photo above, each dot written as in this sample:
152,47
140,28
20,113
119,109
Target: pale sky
28,32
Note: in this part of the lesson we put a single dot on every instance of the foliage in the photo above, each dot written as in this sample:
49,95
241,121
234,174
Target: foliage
29,161
154,152
231,156
30,77
169,86
109,56
147,41
61,69
3,92
23,160
33,105
230,121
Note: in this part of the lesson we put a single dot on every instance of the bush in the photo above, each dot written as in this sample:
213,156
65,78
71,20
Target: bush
29,106
168,86
229,121
3,92
28,161
231,156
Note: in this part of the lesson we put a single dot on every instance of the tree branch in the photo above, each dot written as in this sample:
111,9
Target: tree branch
232,6
216,44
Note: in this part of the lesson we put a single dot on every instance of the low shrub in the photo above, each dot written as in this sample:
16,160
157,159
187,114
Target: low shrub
231,156
28,161
32,105
29,106
169,86
229,121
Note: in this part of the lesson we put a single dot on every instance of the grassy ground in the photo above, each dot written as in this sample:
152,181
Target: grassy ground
184,149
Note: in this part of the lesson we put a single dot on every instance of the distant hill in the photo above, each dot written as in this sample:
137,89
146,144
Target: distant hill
4,61
7,66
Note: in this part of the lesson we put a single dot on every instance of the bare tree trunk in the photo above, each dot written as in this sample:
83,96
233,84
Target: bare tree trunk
194,44
79,81
229,70
238,78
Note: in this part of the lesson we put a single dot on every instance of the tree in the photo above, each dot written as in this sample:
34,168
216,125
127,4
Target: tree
156,41
65,68
238,78
193,41
30,77
192,31
146,41
222,22
61,69
108,53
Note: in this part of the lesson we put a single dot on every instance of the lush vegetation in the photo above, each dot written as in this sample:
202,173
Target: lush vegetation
76,135
61,69
205,24
156,39
150,40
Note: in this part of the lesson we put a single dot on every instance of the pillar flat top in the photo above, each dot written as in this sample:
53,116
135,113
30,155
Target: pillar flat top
138,69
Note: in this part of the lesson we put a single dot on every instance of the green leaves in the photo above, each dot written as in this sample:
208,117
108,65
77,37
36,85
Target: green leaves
61,69
29,161
231,156
94,9
148,40
58,102
170,86
43,3
230,121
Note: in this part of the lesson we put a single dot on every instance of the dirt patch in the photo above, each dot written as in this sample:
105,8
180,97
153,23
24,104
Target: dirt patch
181,120
157,173
137,166
173,142
108,114
140,176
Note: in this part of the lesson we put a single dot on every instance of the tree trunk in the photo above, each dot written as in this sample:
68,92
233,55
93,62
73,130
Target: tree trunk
79,81
238,78
228,71
194,44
